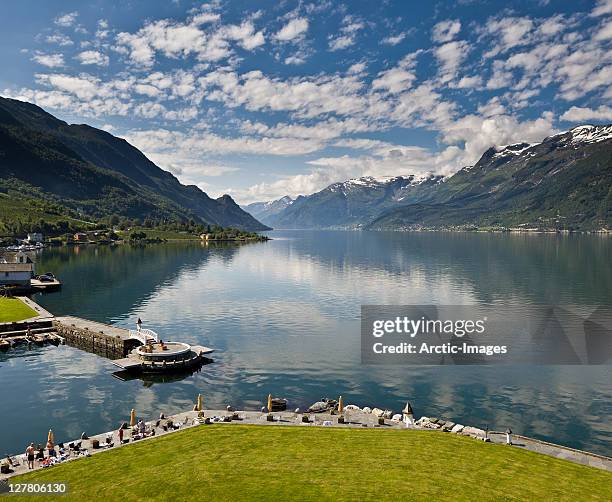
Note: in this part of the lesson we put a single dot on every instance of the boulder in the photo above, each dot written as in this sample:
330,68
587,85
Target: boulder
378,412
325,405
457,428
448,426
367,409
352,407
387,414
428,423
397,417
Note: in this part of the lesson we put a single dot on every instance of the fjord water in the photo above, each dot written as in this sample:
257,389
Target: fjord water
283,317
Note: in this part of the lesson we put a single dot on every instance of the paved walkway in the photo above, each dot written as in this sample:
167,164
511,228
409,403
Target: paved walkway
354,419
42,313
554,450
93,326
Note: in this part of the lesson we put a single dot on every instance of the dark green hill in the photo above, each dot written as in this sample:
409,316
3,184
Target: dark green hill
97,174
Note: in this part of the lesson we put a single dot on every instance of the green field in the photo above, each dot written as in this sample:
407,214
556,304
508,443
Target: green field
12,309
254,462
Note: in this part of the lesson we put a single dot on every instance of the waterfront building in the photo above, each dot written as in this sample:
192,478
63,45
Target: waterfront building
34,237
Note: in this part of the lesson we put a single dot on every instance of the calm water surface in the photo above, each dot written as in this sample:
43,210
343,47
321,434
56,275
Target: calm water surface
283,317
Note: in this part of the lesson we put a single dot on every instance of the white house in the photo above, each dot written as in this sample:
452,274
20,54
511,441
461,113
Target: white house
18,274
17,270
35,237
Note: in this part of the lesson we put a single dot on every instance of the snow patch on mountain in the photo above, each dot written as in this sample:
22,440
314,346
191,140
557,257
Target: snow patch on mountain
590,134
516,149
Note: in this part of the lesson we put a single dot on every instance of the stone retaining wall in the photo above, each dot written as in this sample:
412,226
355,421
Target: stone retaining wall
97,342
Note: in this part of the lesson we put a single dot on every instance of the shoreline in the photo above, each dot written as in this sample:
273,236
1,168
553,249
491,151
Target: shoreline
604,232
356,419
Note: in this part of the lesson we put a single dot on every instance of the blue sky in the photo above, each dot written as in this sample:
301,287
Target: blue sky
263,99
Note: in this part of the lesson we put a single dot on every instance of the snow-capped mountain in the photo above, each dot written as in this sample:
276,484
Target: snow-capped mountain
351,203
563,182
265,210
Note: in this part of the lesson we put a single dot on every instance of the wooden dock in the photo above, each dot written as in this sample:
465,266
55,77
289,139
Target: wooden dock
38,329
37,285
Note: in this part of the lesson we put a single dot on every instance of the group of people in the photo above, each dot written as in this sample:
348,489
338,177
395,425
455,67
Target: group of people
138,430
38,453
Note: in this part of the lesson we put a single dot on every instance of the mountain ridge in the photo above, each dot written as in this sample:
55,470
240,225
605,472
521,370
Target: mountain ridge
528,185
97,174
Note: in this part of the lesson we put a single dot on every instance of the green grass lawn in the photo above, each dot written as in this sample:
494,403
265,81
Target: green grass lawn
12,309
246,462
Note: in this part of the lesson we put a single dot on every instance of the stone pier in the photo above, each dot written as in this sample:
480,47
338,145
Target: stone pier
101,339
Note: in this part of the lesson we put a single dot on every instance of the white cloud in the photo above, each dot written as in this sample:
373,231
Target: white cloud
605,31
205,18
445,31
348,34
308,96
197,144
92,58
394,80
321,131
509,32
393,39
450,56
469,82
295,59
341,42
578,114
59,39
83,87
245,34
602,8
180,39
49,60
169,38
294,29
66,20
357,68
478,133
